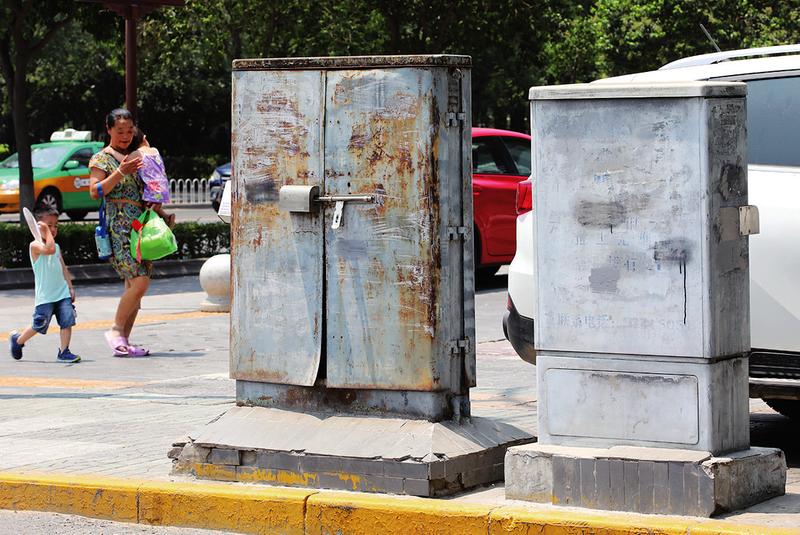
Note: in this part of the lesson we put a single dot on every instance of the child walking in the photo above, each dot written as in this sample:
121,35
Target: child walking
54,292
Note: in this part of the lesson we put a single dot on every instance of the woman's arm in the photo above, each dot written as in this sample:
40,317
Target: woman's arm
108,181
96,176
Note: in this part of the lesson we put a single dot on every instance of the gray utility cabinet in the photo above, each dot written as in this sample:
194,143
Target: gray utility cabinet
637,220
642,291
374,292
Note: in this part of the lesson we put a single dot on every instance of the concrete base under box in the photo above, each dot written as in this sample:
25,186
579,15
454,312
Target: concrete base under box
644,480
432,406
361,453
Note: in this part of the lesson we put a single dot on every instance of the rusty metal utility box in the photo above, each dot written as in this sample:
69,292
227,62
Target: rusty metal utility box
352,268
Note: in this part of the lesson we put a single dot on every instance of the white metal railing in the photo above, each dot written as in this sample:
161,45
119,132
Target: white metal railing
189,191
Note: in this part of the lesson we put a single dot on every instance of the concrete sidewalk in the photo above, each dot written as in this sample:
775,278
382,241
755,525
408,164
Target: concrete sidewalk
117,418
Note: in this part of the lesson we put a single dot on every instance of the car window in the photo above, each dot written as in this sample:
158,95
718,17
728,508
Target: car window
488,157
83,156
520,150
40,157
773,121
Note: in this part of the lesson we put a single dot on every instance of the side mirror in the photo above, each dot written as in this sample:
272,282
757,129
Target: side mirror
71,164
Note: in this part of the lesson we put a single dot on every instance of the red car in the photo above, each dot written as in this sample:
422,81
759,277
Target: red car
500,160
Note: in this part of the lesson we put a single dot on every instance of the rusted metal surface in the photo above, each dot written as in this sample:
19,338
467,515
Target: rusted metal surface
352,62
397,302
276,310
430,406
383,268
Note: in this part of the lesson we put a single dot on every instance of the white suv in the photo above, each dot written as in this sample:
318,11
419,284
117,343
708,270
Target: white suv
772,75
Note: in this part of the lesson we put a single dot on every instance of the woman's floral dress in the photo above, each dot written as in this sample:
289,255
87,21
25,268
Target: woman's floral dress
120,216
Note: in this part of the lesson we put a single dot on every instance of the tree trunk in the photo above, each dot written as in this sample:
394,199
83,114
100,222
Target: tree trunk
20,114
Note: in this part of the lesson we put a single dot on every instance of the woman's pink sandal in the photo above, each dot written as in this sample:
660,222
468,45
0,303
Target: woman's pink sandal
118,344
137,351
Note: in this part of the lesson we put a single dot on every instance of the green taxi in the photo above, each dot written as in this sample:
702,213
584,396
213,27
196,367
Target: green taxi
60,175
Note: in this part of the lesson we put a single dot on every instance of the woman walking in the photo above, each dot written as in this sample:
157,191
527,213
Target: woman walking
113,176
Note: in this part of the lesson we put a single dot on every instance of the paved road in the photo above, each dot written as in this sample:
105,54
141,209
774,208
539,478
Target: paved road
34,523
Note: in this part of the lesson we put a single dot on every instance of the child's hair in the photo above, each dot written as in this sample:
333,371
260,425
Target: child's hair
43,211
138,137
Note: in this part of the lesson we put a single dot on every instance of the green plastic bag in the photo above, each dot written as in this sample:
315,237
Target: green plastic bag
151,238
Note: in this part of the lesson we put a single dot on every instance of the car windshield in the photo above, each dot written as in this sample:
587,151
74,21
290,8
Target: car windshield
40,157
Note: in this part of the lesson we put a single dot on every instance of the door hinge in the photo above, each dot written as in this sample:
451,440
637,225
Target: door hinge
457,233
456,118
459,346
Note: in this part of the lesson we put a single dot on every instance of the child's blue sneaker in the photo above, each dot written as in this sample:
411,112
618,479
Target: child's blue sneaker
16,348
67,356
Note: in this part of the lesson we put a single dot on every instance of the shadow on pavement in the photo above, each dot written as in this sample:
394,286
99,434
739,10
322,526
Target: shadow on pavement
168,354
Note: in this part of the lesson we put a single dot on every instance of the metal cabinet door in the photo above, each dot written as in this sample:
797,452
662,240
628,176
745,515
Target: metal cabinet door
383,263
276,256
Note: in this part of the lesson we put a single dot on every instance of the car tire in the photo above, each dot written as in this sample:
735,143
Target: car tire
51,198
483,274
788,407
77,215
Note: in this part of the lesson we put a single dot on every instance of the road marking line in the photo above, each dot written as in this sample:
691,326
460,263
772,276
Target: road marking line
46,382
142,320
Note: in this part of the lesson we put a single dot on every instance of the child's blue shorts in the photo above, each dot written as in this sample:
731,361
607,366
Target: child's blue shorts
63,310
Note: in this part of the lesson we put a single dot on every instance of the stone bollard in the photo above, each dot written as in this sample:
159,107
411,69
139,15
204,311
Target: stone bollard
215,278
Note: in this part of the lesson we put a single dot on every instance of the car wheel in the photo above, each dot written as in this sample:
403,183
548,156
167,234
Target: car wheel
51,198
77,215
787,407
482,273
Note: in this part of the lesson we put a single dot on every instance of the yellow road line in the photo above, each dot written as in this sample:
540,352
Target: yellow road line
46,382
141,320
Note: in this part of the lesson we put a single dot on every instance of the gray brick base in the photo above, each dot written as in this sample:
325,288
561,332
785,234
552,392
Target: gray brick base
644,480
358,453
438,477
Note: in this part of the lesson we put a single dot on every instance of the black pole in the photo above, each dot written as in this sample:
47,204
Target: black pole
130,60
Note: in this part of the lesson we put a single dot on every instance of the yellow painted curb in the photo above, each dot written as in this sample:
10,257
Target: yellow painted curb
517,520
368,514
112,499
242,508
291,511
247,509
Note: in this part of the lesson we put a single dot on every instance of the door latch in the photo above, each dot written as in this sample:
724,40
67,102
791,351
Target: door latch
306,199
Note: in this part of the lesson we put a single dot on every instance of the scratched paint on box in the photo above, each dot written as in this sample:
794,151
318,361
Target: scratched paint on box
397,291
383,267
276,309
630,255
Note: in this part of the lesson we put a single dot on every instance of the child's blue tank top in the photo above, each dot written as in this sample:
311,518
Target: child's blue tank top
51,286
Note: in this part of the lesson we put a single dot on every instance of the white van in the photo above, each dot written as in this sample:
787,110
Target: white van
772,75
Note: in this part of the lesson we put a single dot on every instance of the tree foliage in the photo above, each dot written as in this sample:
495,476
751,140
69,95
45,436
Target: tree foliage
185,54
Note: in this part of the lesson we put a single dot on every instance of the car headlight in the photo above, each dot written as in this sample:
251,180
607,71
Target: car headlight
11,185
